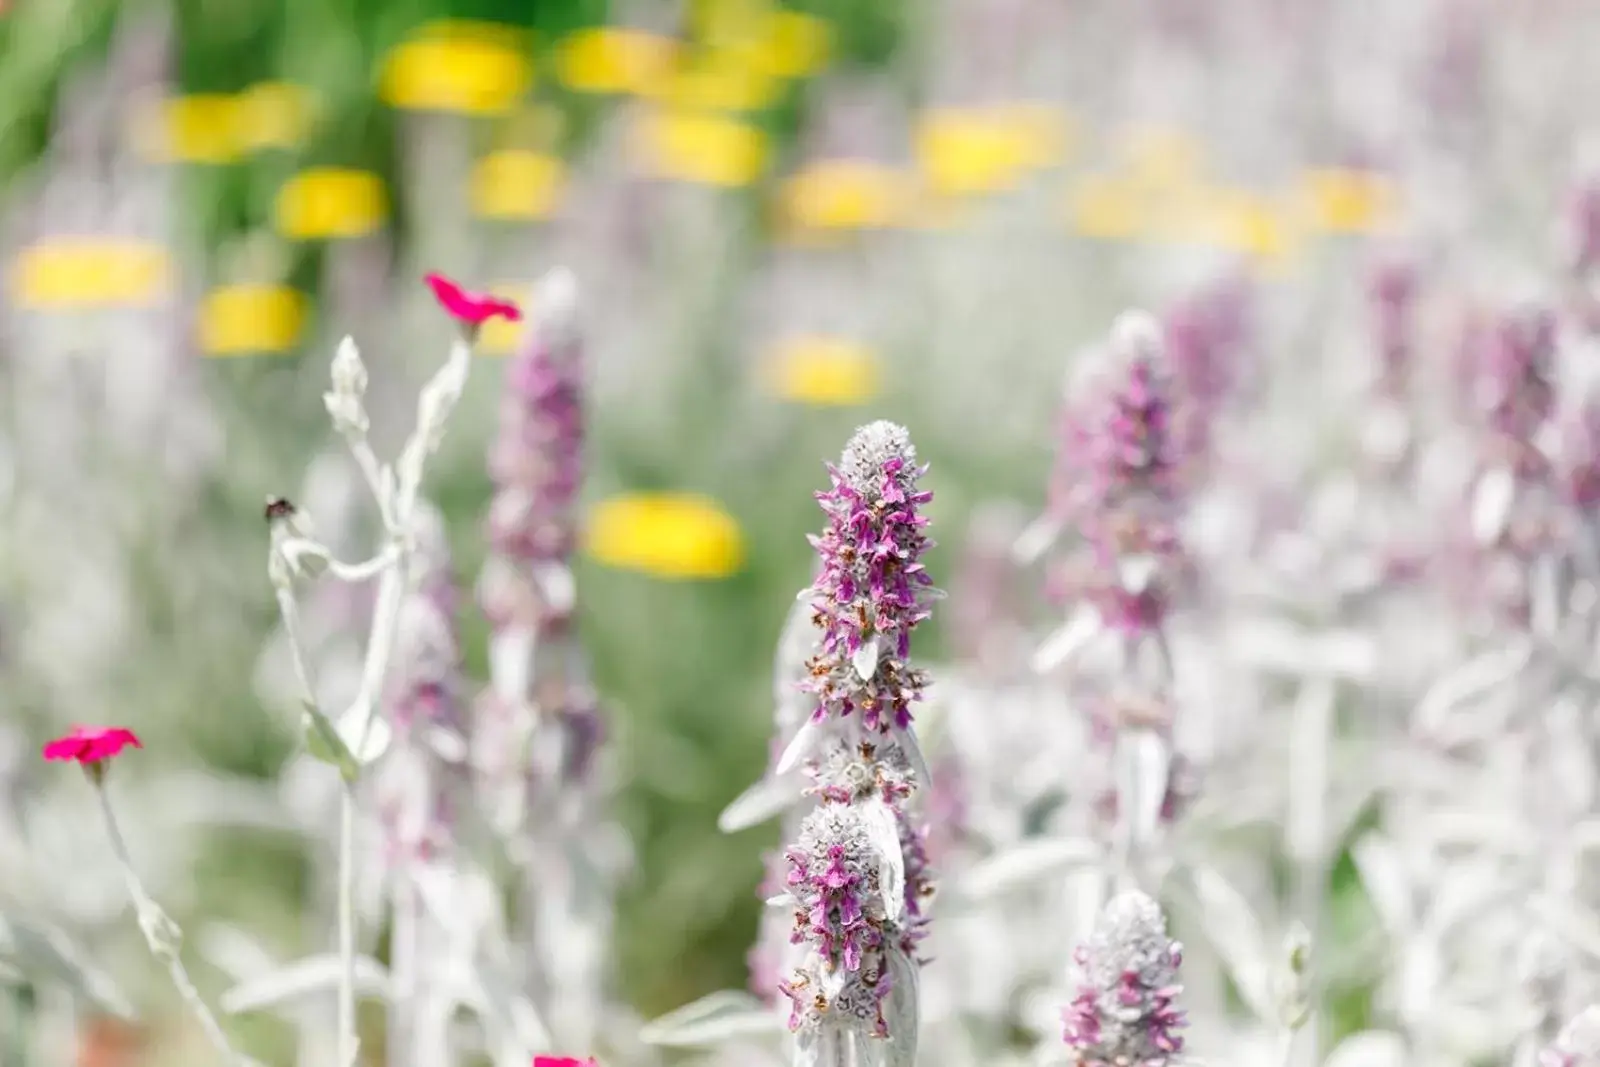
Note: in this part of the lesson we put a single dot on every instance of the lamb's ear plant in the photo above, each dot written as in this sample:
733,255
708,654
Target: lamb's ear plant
352,740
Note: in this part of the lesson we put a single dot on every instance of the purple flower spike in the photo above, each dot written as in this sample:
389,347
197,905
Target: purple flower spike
1125,1011
536,461
873,589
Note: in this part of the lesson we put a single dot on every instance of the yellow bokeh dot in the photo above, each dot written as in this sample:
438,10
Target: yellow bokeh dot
1247,223
241,320
469,74
1163,157
517,185
716,81
331,202
1346,201
609,60
968,151
794,45
202,128
64,274
823,371
665,535
698,147
845,194
273,115
1106,208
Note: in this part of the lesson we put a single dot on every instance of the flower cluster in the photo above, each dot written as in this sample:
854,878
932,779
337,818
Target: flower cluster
1205,338
873,588
1392,296
1129,500
536,463
1517,378
1125,1010
834,879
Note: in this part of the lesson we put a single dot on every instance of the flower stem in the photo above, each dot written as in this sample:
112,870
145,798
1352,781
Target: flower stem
162,935
349,1043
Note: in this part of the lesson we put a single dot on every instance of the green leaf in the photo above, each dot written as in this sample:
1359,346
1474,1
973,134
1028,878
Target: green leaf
324,743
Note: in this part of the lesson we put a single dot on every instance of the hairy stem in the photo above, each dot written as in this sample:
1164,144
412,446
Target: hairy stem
161,934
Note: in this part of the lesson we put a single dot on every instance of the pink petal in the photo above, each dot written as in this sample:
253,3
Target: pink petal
470,307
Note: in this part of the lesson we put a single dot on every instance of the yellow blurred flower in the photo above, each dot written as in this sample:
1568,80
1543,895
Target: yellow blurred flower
76,274
273,115
1106,208
698,147
966,151
665,535
447,68
610,60
1347,201
823,371
794,45
716,81
331,202
1163,157
242,320
498,336
1247,223
517,184
845,194
202,128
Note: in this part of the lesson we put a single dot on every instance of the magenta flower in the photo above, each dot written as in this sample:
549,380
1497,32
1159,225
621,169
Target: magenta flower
563,1061
91,744
873,589
471,309
833,877
1125,1011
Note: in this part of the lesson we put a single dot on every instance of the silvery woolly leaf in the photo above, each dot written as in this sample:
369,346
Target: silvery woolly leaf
1369,1048
1143,759
865,660
1473,679
1027,863
1311,725
766,799
44,953
805,739
556,586
1496,491
822,1046
905,1010
911,748
1568,921
711,1020
1067,641
1234,931
313,975
885,836
1377,861
1035,540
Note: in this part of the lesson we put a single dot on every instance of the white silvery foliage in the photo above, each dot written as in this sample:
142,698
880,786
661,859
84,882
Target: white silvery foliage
1578,1043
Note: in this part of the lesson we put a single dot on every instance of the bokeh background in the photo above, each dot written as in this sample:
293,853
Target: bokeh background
784,219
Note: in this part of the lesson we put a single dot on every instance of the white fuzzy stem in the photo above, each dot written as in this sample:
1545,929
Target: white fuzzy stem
151,919
349,1043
